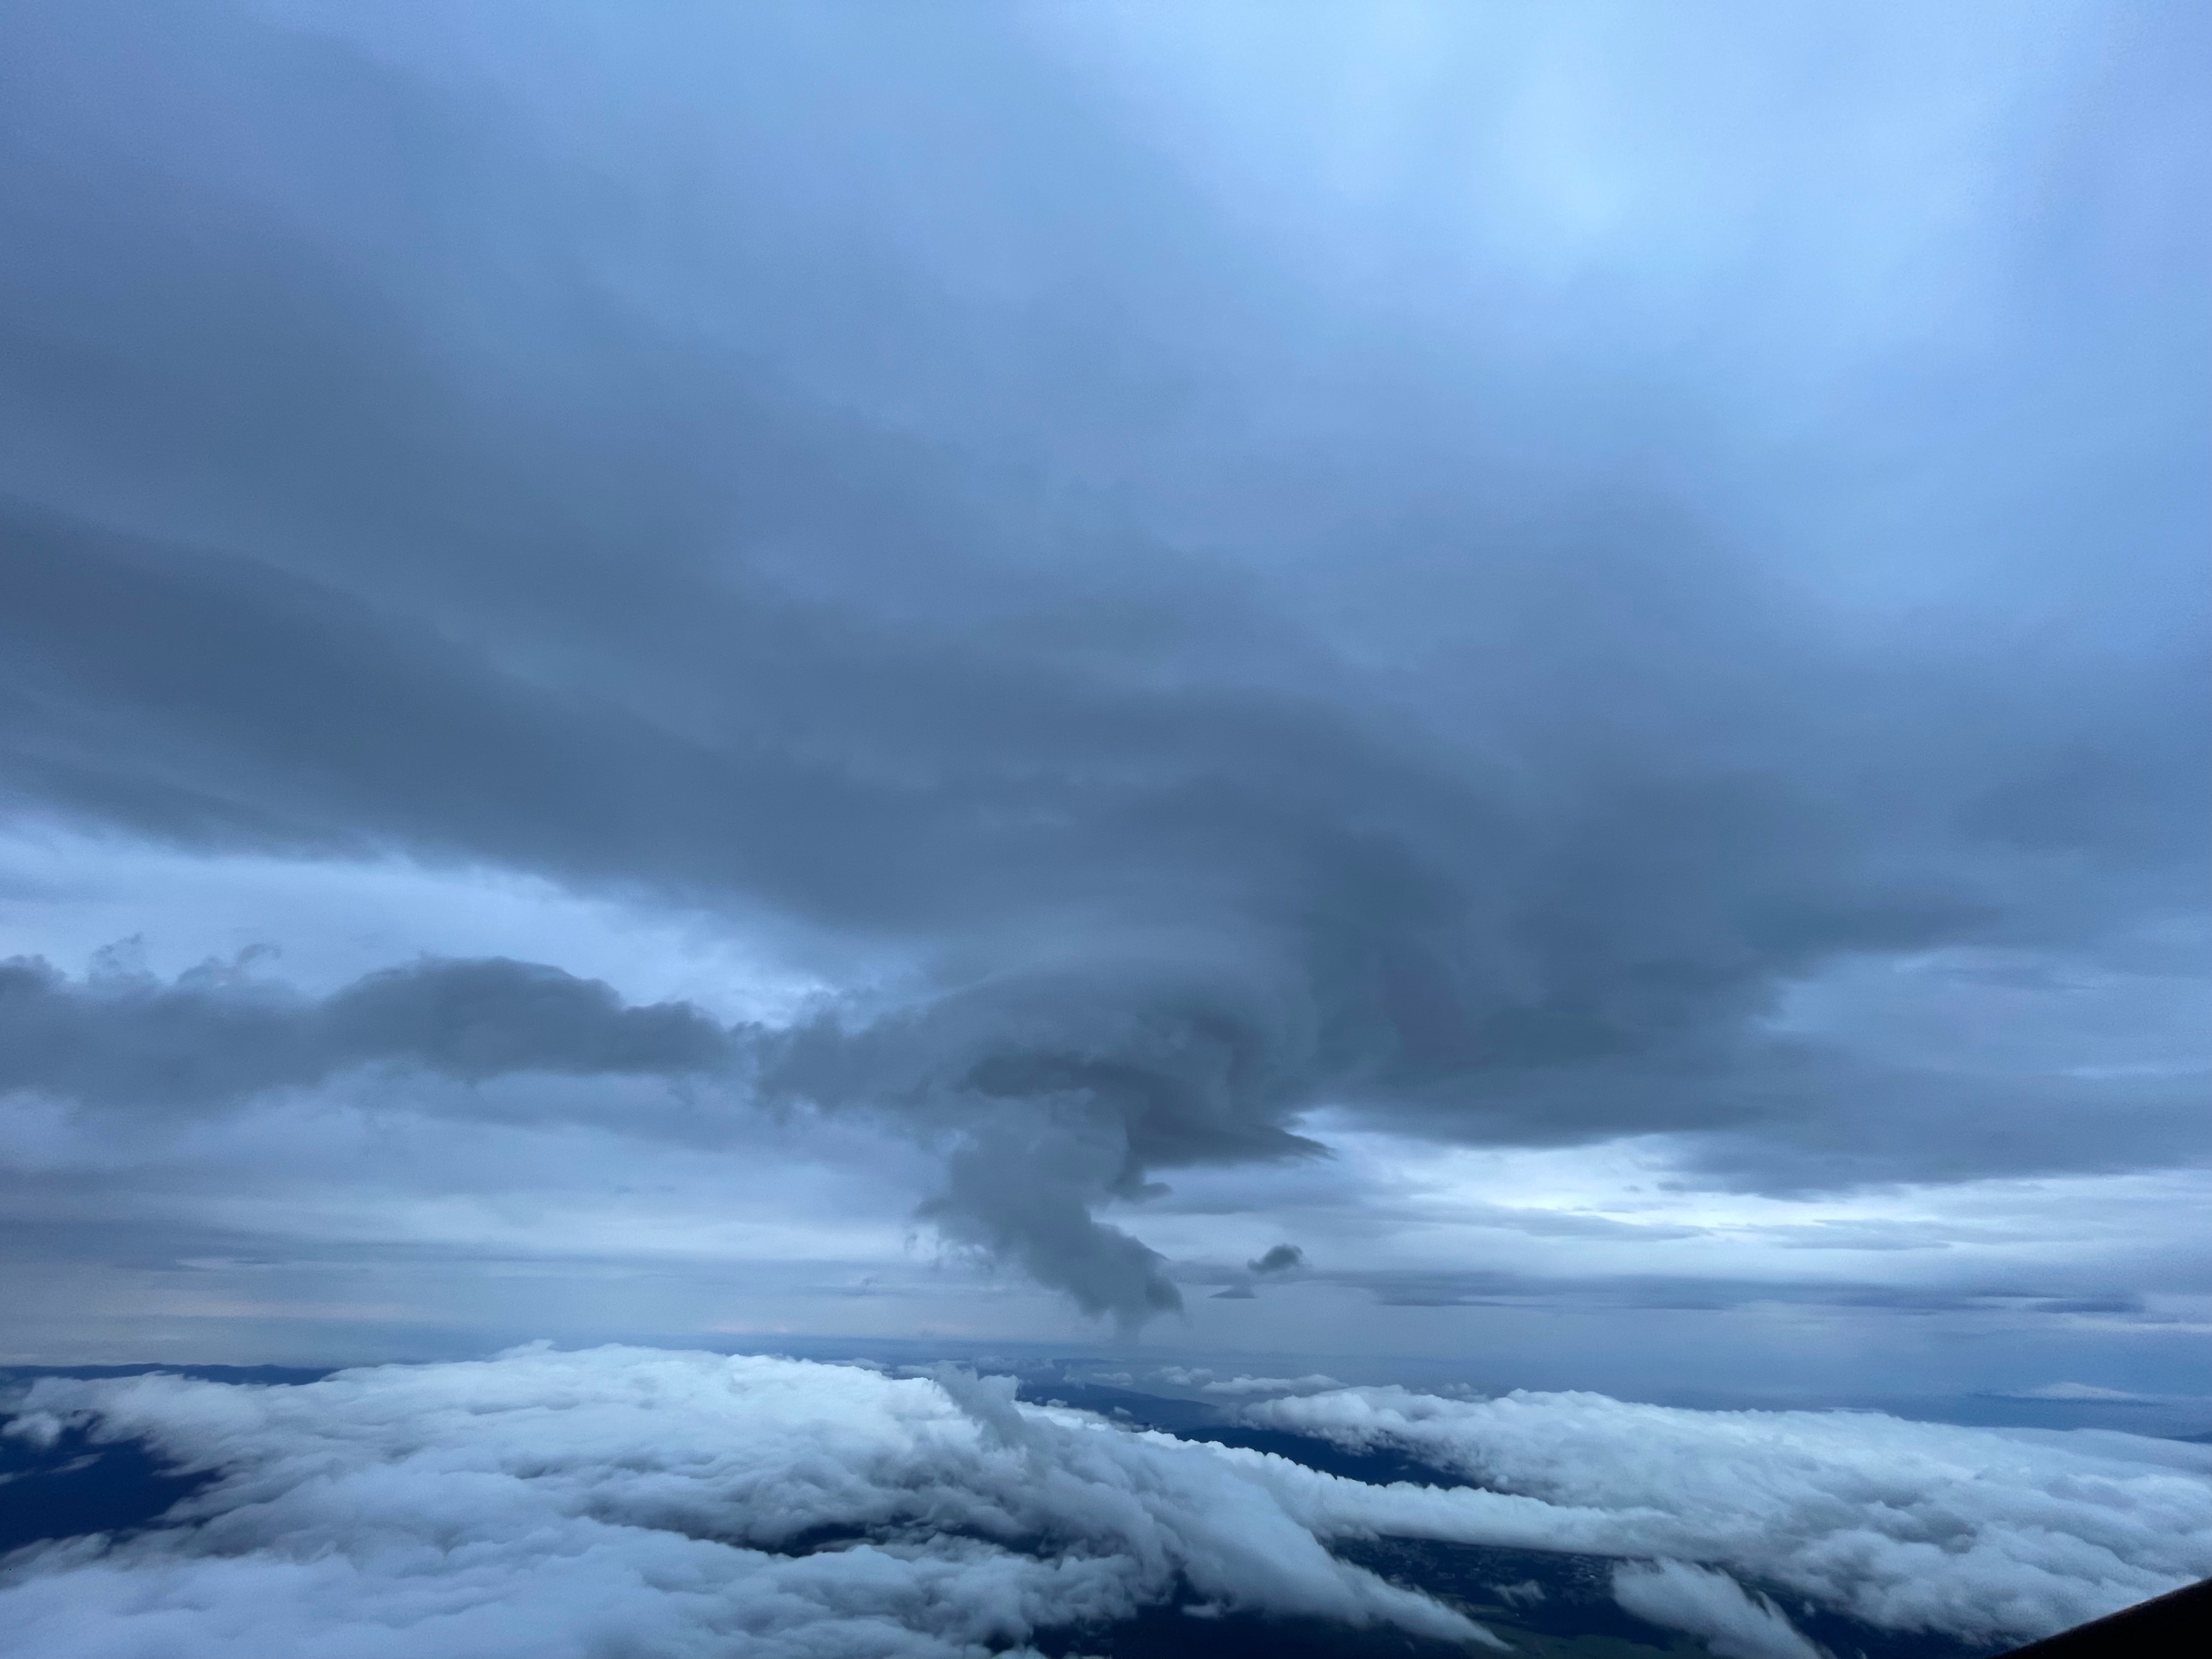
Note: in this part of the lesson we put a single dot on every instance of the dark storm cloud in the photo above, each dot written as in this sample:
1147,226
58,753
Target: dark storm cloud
385,478
216,1037
1275,1260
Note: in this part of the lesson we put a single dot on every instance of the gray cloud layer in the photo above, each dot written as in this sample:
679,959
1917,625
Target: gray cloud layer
387,474
215,1038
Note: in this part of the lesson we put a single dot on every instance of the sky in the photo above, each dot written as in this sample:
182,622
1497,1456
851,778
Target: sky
1510,694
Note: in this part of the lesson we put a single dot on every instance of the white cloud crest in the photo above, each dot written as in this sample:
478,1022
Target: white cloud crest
1979,1533
547,1504
1738,1625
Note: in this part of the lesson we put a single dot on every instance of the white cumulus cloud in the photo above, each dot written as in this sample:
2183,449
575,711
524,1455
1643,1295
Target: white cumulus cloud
1980,1533
545,1504
1312,1382
1712,1605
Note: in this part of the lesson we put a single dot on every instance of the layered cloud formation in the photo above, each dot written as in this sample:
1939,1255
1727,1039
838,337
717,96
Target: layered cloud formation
1173,612
1908,1526
214,1037
548,1504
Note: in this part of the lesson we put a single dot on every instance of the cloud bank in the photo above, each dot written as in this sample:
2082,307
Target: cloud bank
216,1037
551,1503
548,1504
1908,1526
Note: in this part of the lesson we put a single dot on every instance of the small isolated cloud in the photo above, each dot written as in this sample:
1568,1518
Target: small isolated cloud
2088,1392
1280,1258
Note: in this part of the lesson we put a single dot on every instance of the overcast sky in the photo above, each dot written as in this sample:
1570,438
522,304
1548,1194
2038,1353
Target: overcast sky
1522,686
